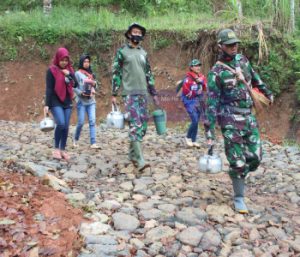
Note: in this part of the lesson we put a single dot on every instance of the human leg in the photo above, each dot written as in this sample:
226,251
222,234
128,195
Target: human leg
234,149
80,120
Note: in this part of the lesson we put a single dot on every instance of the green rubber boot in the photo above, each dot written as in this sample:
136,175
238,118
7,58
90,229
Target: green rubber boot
238,199
141,164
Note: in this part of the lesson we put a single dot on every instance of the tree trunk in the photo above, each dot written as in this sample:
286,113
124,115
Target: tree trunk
292,16
240,9
47,6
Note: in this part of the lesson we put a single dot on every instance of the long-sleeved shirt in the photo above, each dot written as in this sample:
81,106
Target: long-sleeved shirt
224,90
80,77
51,99
132,71
191,88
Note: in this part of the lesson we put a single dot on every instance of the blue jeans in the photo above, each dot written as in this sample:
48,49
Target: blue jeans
193,109
62,119
91,112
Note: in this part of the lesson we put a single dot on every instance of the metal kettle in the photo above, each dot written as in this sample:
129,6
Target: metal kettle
210,162
115,119
47,124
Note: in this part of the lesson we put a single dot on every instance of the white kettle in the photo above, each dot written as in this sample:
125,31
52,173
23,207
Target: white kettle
210,162
115,119
47,124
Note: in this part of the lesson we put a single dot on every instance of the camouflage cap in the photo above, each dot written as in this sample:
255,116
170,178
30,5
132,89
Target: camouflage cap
227,37
194,62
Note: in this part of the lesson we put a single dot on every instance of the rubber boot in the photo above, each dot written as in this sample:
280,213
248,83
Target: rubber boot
238,200
141,165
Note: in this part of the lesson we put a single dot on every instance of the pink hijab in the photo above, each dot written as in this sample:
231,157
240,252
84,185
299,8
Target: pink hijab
61,88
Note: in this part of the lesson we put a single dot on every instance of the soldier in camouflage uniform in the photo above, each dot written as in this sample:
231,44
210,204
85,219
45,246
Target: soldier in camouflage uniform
131,69
230,102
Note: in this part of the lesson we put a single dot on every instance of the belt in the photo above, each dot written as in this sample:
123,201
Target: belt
237,110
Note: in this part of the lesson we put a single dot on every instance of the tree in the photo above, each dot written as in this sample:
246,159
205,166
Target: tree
292,16
47,6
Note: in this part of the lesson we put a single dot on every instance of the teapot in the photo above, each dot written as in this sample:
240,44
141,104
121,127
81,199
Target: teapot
210,162
115,119
47,124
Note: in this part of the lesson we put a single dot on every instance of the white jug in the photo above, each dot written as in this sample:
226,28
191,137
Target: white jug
115,119
210,163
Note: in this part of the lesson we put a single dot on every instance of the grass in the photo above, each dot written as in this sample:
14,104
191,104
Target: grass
64,22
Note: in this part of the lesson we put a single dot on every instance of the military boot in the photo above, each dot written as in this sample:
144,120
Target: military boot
141,164
238,200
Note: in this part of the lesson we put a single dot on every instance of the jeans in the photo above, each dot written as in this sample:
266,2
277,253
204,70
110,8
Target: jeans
90,109
62,119
193,109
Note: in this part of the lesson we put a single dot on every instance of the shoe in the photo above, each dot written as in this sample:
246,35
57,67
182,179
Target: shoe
196,144
95,146
65,155
75,144
56,154
189,142
238,185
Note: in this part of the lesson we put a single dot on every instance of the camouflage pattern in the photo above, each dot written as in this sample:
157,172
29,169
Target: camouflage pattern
242,145
136,107
230,102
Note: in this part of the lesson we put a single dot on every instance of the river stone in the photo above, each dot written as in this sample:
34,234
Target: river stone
150,214
190,236
95,228
159,233
124,221
74,175
210,240
219,210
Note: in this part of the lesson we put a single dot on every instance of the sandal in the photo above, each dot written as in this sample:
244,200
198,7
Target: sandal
56,154
65,155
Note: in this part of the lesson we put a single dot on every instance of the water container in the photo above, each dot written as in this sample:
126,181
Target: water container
115,119
160,121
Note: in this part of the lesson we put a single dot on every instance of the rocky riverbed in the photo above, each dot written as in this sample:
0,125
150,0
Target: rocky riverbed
170,209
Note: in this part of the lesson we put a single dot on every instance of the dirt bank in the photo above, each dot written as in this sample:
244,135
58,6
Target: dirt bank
22,86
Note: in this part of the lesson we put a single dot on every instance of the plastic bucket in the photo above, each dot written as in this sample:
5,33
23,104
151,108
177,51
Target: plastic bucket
160,121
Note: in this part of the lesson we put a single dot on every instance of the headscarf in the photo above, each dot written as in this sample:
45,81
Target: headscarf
88,72
61,87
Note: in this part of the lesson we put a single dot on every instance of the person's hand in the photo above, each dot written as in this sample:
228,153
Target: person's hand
93,91
46,110
189,95
65,72
156,100
210,142
114,100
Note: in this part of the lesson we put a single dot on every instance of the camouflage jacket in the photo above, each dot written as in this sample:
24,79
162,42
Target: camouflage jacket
226,92
132,70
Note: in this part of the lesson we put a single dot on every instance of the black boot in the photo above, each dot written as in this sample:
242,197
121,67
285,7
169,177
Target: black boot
238,200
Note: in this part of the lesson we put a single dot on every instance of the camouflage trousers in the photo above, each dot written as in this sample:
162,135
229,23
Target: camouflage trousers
136,107
242,146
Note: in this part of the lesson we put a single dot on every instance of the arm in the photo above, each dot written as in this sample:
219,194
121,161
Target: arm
257,82
117,71
77,89
186,87
213,102
150,79
50,83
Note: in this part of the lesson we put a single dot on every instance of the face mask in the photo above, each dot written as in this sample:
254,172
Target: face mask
136,38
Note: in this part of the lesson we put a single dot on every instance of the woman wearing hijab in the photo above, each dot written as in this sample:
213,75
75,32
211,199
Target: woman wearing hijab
60,80
85,98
